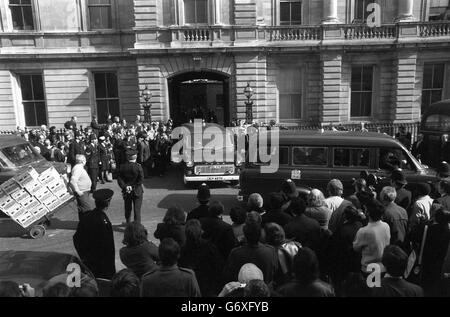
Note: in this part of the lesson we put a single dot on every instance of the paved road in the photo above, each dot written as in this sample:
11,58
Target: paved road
160,194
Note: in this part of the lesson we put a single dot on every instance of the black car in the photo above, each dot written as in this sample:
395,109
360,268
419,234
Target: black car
38,269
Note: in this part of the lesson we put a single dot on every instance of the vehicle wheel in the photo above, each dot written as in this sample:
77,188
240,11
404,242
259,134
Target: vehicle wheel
37,232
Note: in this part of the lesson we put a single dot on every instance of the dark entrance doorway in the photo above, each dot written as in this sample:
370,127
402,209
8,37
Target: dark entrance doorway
199,95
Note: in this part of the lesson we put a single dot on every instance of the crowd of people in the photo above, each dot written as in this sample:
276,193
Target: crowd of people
289,244
105,145
294,245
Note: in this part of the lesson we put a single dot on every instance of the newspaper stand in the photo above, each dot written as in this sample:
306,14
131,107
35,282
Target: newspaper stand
31,199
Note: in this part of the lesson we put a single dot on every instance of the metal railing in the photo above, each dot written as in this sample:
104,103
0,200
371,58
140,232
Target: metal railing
388,128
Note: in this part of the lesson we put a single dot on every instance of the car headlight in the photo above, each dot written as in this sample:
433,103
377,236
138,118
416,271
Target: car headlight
189,163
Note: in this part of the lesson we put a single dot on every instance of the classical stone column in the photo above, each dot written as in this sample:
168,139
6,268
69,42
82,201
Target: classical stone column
217,6
405,10
330,15
175,12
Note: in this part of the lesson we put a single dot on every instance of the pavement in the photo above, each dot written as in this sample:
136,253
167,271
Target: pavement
159,195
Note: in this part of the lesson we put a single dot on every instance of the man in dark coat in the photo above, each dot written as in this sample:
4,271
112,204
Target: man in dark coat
418,148
395,261
130,179
265,257
218,231
395,216
302,228
203,196
96,127
75,147
398,181
404,137
71,124
203,258
169,280
276,213
104,159
94,240
144,154
93,161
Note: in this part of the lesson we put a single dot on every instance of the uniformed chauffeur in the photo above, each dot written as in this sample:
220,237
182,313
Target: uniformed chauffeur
169,280
94,240
130,178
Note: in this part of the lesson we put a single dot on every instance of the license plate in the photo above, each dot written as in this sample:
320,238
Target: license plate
215,178
296,174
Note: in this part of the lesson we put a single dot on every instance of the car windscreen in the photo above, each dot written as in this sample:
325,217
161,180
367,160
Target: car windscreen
216,141
18,155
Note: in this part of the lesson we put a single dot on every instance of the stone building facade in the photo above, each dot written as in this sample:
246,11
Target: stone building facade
307,61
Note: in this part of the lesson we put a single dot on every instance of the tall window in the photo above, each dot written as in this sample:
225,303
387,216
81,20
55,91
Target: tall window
33,99
433,84
290,94
361,12
22,14
106,95
196,11
99,14
290,12
439,10
361,97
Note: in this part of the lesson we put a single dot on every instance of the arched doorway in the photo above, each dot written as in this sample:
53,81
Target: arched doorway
199,95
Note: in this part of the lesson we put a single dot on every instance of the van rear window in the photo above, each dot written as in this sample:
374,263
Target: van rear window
437,122
316,156
351,157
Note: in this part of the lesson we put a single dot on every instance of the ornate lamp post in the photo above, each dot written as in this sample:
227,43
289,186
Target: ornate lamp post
248,92
147,95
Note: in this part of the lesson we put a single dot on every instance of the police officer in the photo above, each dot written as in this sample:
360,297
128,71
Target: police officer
130,180
76,147
94,240
93,160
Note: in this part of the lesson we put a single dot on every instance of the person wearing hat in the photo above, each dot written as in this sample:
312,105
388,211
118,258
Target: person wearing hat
130,178
203,197
144,154
76,147
93,160
94,239
398,181
248,272
162,151
104,161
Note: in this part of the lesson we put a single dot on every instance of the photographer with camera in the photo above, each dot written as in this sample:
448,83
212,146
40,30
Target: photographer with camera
130,180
